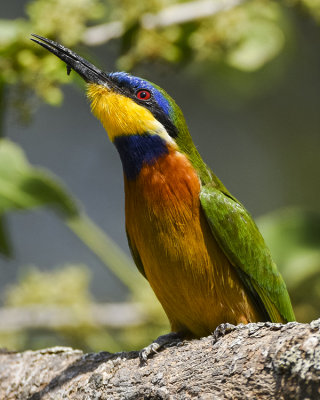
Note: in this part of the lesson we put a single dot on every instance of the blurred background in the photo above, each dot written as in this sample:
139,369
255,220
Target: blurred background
246,75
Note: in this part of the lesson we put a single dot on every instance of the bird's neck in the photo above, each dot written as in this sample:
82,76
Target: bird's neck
164,191
138,150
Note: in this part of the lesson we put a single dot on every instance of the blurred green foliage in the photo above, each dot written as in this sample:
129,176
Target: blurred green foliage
245,37
67,287
65,20
28,68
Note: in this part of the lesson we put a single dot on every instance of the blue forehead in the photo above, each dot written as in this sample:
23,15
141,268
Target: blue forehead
126,80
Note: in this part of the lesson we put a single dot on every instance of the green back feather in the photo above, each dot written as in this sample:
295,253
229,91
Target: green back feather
236,232
244,246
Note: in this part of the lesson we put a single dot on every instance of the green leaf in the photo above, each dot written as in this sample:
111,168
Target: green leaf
23,187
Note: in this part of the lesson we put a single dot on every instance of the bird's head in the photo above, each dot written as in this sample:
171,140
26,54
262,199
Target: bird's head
125,104
130,107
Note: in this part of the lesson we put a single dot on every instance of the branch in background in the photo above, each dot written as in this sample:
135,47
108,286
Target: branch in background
172,15
111,315
107,251
255,361
2,107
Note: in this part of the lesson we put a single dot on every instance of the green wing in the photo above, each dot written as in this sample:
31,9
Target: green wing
243,244
136,256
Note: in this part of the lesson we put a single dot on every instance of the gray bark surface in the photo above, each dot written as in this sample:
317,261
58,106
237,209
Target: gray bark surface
254,361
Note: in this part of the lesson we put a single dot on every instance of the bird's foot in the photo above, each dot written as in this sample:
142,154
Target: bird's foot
168,340
222,330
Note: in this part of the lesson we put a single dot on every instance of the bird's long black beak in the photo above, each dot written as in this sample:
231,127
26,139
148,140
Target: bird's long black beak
86,70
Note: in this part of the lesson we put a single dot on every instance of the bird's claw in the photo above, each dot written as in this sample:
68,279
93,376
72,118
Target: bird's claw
147,351
165,340
221,330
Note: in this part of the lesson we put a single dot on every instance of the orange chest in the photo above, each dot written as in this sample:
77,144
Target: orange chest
166,226
182,261
164,197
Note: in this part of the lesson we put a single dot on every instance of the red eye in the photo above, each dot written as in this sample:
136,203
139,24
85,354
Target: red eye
143,94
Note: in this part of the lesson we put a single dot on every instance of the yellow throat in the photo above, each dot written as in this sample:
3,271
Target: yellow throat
120,115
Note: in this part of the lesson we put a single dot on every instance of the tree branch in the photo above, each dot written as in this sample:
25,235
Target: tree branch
255,361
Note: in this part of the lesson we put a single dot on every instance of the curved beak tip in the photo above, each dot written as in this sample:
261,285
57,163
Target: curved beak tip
84,68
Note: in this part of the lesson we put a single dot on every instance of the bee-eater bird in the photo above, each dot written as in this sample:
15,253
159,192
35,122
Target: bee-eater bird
197,246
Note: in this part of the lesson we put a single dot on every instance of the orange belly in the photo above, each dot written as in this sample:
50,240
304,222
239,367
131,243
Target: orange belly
192,278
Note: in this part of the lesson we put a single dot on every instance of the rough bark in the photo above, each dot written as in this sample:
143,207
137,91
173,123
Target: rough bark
256,361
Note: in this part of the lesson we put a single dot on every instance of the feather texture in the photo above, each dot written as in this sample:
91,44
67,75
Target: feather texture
168,232
242,243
